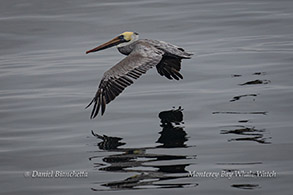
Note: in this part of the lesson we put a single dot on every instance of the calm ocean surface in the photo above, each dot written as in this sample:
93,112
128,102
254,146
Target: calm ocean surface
236,99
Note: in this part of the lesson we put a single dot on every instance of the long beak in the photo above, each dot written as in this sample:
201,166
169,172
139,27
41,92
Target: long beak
111,43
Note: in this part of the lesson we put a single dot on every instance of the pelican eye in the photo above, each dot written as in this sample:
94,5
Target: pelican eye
121,37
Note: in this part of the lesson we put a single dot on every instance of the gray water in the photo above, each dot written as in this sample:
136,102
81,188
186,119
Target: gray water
236,97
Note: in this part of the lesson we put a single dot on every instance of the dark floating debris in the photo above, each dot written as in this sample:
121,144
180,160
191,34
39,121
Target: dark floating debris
240,163
243,131
259,73
240,96
246,186
255,73
253,133
243,121
264,113
256,82
257,139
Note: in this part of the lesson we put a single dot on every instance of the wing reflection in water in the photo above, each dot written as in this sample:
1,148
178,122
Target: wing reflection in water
138,160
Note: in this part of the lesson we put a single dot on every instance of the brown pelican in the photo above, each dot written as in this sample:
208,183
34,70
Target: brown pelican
141,56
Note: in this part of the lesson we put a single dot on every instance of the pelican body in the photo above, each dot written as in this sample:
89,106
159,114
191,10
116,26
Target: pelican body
142,55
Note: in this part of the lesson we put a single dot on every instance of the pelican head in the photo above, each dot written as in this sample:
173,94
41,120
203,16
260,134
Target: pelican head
122,40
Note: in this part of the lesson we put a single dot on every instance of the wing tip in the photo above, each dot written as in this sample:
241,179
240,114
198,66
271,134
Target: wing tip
99,104
89,104
103,104
96,107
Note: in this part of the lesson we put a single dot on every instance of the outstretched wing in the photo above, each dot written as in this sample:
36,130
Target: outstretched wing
116,79
170,64
169,67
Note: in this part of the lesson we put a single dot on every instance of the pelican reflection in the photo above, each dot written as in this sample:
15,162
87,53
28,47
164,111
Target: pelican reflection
151,170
